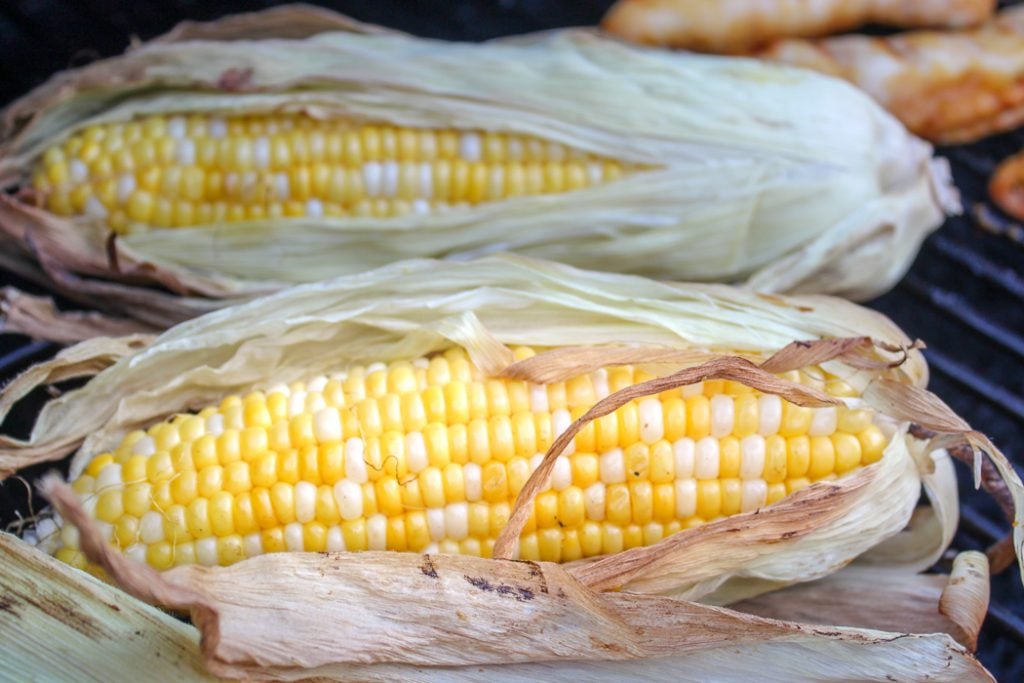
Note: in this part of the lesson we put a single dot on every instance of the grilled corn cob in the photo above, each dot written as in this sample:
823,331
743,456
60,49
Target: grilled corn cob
429,456
384,451
180,172
296,158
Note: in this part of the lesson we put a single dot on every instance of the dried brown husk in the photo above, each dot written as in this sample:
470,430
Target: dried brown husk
401,616
819,191
38,317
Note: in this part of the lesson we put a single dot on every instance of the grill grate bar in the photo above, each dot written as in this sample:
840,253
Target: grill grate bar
10,362
970,380
979,526
957,308
980,163
980,266
1011,624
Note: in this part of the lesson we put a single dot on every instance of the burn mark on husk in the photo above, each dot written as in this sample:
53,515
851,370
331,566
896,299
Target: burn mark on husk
517,593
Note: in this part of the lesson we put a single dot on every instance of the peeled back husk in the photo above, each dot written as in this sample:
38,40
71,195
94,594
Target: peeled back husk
587,319
747,172
478,629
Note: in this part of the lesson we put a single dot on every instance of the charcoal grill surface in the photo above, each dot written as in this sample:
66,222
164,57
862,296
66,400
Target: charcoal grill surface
964,295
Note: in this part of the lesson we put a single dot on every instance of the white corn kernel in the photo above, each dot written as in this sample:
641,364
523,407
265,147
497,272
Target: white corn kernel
435,523
470,147
561,475
327,424
706,458
612,466
349,496
684,451
144,446
652,428
335,539
305,501
415,452
109,476
151,527
752,457
722,415
137,552
377,532
293,540
456,521
471,477
593,501
538,398
823,421
355,464
686,498
769,414
206,551
252,544
754,495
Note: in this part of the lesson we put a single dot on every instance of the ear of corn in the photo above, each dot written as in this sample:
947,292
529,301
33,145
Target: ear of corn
420,308
181,172
576,148
429,456
371,326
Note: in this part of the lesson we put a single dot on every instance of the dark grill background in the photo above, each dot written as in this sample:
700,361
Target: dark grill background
964,295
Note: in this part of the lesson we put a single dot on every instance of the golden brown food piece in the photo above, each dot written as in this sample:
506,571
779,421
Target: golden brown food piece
1007,186
734,26
949,87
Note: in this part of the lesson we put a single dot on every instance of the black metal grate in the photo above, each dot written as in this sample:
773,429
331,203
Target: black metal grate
964,294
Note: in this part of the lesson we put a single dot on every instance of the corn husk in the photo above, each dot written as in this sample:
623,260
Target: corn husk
782,179
416,617
60,624
358,594
682,332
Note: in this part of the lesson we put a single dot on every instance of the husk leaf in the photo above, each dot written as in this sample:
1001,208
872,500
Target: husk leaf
38,317
782,178
888,600
448,617
57,623
930,412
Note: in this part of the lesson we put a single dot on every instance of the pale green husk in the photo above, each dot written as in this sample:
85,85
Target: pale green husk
784,179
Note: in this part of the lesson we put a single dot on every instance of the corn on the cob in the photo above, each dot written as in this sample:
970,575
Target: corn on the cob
489,307
428,456
199,170
568,146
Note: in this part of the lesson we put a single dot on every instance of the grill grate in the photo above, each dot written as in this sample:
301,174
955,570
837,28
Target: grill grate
964,294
